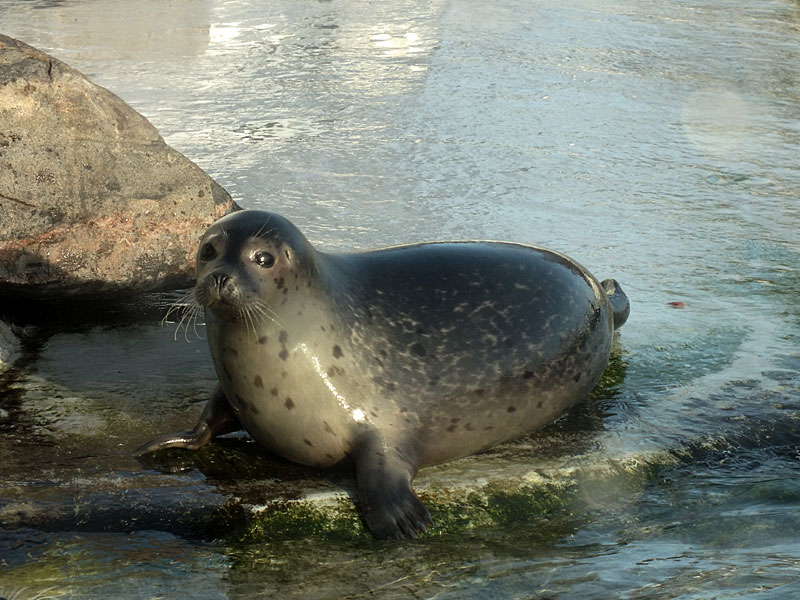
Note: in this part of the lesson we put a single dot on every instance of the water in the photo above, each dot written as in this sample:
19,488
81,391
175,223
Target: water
653,142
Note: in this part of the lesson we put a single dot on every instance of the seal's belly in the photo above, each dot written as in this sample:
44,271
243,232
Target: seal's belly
476,419
283,398
497,402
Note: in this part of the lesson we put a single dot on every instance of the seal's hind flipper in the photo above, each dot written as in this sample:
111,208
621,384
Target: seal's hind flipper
620,305
217,419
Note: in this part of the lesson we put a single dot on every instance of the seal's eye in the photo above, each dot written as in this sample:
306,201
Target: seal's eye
207,252
263,259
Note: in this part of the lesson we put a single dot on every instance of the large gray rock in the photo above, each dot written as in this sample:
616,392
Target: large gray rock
91,198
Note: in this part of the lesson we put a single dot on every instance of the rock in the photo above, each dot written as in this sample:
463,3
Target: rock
9,348
91,197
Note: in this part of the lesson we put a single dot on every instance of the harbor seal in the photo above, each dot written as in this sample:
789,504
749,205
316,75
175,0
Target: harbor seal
395,358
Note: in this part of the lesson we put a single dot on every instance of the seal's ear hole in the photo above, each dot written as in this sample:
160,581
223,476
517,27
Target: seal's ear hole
207,252
263,259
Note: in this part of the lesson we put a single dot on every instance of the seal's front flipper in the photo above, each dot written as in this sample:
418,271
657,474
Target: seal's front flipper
390,508
217,419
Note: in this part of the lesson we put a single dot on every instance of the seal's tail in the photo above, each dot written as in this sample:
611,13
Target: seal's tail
620,305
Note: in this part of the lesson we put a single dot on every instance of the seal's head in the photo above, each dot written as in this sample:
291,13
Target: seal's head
246,260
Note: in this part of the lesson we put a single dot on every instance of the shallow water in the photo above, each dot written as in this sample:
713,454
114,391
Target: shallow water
656,143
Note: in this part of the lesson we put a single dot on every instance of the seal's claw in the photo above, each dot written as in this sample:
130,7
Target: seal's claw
396,516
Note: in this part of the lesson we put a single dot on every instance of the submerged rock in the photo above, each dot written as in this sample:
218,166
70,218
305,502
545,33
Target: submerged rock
91,197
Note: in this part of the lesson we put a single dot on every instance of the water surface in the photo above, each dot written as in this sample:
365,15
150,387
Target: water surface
656,143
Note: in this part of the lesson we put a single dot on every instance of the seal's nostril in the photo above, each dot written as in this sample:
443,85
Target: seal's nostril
220,279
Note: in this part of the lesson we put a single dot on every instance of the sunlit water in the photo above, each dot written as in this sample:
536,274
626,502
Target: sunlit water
653,142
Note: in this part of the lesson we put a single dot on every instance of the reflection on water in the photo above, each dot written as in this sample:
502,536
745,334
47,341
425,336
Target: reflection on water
109,30
716,121
656,143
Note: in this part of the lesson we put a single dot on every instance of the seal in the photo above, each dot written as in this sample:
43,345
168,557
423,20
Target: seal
394,358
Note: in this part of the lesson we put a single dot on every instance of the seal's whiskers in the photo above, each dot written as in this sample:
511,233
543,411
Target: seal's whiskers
245,314
188,308
265,313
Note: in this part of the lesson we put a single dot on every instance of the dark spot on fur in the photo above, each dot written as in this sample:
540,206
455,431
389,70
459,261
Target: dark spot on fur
469,427
455,420
433,380
577,377
373,413
328,428
539,404
289,403
253,408
285,291
263,340
329,456
283,337
418,349
511,409
452,428
258,382
279,283
489,428
283,354
284,374
390,386
337,351
334,370
323,328
239,401
308,442
274,391
232,351
384,354
527,375
479,391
